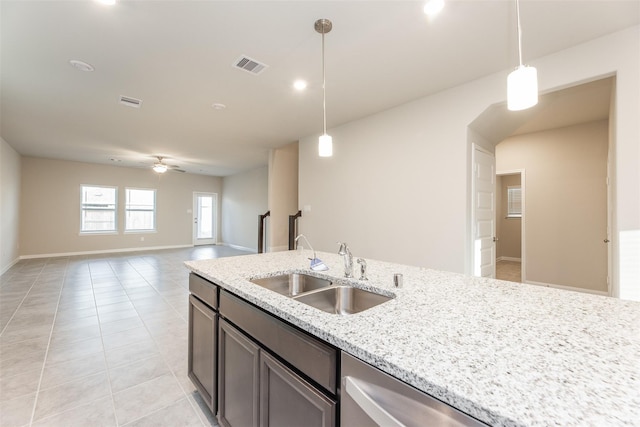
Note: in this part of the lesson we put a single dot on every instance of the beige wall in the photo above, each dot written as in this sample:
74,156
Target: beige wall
283,194
50,208
508,230
384,190
566,203
244,197
9,205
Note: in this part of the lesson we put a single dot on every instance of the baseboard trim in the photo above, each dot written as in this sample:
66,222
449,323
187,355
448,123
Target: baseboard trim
11,264
104,251
508,258
241,248
567,288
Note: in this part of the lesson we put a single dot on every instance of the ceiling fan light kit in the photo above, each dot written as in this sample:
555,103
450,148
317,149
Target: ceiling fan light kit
160,168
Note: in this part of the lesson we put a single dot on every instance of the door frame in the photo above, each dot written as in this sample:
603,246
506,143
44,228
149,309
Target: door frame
214,213
523,250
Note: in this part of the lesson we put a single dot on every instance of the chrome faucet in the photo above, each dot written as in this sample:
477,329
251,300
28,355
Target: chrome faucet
363,269
316,263
348,259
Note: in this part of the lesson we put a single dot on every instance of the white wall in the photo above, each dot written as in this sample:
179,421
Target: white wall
244,197
9,205
50,206
397,187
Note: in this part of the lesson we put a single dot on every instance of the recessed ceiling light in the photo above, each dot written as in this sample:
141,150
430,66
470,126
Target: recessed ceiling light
432,7
218,106
300,85
81,65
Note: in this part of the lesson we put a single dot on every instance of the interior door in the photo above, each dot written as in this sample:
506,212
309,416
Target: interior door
204,218
484,207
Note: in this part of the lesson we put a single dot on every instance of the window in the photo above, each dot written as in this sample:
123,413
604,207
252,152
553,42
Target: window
98,209
140,210
514,202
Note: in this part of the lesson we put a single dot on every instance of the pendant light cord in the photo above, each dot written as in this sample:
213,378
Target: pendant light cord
324,91
519,32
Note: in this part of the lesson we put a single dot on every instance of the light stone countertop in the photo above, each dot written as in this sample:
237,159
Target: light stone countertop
506,353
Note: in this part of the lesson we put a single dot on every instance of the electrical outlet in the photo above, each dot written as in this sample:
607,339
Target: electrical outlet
142,239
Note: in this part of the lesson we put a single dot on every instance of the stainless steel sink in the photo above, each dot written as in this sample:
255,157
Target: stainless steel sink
342,299
292,284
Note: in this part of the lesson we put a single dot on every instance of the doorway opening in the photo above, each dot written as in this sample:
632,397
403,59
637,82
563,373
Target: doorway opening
510,212
565,143
205,206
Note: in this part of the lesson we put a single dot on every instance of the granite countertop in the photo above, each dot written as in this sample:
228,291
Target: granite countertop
506,353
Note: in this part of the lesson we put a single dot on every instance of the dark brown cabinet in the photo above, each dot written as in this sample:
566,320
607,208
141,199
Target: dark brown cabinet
238,378
287,400
202,350
256,388
203,333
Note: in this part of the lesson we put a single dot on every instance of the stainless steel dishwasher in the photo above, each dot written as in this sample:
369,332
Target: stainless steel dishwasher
371,397
203,338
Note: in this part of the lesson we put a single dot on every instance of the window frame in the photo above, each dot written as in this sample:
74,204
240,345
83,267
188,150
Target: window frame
510,203
83,209
128,230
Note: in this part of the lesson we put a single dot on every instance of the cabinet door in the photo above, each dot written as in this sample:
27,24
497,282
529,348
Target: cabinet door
286,400
202,350
238,371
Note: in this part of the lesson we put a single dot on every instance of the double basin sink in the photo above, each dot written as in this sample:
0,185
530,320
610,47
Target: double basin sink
321,293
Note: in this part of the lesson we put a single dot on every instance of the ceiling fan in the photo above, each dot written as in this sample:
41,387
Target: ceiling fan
161,167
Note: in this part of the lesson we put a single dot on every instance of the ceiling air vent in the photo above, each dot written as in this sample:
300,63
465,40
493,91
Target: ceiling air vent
130,102
249,65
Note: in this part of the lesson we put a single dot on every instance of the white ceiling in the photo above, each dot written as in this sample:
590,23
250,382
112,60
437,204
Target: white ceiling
177,56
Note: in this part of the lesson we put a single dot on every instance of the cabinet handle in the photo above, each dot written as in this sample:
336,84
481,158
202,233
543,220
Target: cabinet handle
369,406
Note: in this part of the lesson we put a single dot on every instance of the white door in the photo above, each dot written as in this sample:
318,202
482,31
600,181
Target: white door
484,206
204,215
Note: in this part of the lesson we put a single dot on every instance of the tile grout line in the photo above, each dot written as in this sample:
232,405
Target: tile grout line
186,396
46,354
22,301
154,412
104,353
147,330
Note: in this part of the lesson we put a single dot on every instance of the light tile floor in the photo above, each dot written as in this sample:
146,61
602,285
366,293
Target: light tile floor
99,341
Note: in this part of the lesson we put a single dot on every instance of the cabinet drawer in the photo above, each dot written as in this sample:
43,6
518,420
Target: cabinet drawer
311,356
204,290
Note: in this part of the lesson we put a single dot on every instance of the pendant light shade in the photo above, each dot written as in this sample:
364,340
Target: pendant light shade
325,146
522,83
325,142
522,88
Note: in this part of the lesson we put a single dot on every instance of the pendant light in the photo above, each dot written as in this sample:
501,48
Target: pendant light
522,83
325,142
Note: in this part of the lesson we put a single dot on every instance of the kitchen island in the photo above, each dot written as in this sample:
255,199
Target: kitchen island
505,353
